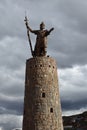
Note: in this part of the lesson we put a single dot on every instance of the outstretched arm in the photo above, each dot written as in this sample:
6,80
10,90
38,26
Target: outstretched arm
48,32
51,30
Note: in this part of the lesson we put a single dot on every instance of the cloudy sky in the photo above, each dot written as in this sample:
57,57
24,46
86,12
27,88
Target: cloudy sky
67,44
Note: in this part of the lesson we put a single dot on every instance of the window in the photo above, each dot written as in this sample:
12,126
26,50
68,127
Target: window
51,110
43,95
41,65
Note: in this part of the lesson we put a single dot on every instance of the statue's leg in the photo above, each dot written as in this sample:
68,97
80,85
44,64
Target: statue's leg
42,51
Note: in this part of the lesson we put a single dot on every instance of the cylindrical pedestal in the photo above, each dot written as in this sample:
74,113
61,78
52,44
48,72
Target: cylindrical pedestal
42,110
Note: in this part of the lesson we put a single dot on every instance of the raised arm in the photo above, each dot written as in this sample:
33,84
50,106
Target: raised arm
27,25
48,32
51,30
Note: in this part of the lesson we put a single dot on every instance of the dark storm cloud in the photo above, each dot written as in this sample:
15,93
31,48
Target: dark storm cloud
73,105
70,43
11,107
70,49
75,11
69,38
12,20
13,53
73,89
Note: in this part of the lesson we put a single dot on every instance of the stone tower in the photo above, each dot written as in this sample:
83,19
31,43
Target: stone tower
42,109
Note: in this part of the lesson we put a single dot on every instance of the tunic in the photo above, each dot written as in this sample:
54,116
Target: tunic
41,42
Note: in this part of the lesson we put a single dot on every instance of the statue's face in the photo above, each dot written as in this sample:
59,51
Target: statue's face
42,26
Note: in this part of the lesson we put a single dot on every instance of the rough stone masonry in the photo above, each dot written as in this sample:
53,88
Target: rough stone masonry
42,109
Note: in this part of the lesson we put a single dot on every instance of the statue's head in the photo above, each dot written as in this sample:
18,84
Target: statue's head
42,25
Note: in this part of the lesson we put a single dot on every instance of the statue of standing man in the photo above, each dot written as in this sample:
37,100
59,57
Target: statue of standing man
41,39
